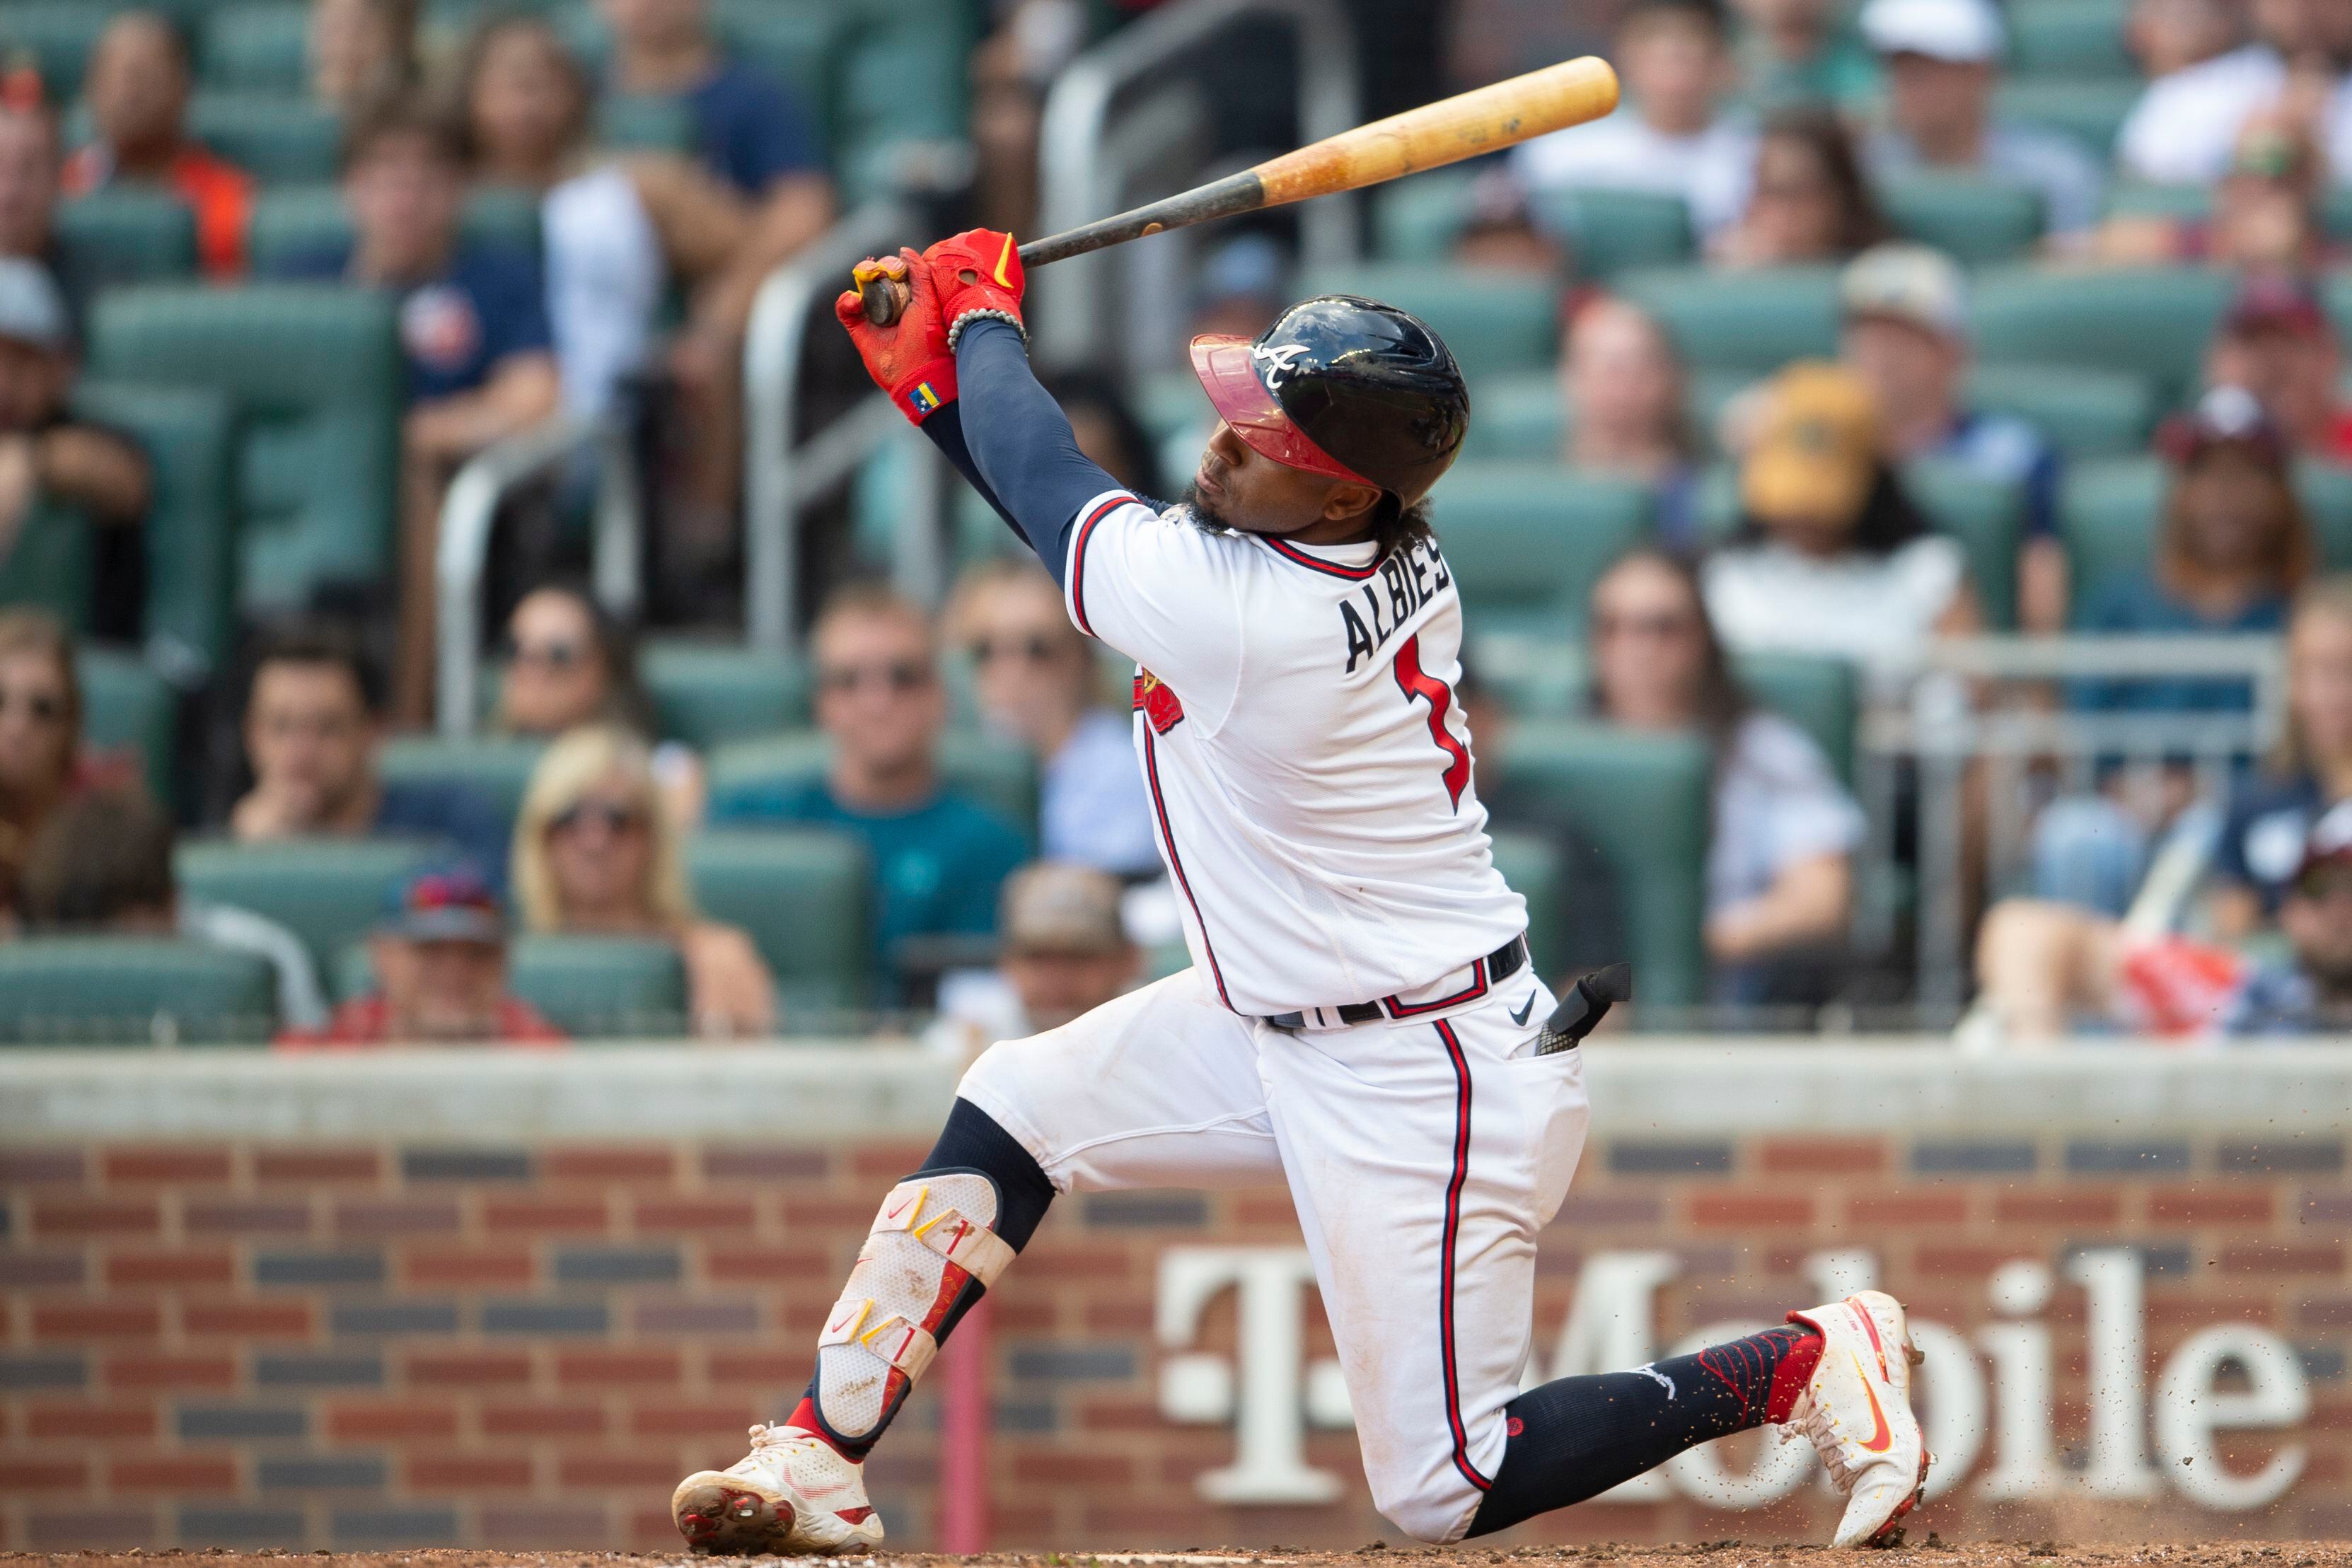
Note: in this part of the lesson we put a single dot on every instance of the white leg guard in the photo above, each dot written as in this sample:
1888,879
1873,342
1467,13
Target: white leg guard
934,1235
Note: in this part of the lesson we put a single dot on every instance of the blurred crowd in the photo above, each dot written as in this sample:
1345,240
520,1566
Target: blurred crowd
1785,519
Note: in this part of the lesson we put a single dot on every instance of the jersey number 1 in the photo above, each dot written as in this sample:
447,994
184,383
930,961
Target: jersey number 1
1415,681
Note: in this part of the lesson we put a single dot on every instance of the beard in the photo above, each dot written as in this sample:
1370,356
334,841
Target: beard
1203,514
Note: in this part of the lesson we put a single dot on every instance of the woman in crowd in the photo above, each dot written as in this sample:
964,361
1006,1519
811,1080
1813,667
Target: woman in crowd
1037,682
595,853
1832,557
360,48
2270,814
2267,209
568,664
1809,202
1780,871
1623,385
40,736
617,230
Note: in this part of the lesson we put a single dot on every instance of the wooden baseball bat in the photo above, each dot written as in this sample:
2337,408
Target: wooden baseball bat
1483,119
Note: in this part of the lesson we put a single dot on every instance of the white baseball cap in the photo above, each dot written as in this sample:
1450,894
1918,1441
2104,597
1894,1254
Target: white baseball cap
31,309
1914,283
1963,32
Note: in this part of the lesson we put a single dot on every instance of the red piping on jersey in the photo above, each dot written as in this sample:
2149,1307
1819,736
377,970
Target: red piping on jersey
1445,1261
1289,551
1078,560
1176,863
1477,988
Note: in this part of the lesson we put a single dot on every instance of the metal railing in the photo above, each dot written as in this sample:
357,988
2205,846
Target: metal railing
1990,740
462,557
1081,168
784,475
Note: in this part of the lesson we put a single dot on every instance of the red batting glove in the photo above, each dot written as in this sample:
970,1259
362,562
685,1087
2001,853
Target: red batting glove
977,274
910,359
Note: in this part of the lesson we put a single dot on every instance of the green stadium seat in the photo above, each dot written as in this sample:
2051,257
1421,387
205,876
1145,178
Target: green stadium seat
708,693
278,140
2327,492
2141,199
1975,221
1749,322
805,896
1525,541
52,564
317,379
1986,515
2091,110
1516,417
60,36
290,220
643,124
133,990
498,766
2078,39
1494,321
608,986
2110,512
2084,412
903,78
329,892
1000,775
113,237
191,536
127,707
2151,322
1610,232
1530,863
1653,792
1819,696
1417,218
793,44
258,47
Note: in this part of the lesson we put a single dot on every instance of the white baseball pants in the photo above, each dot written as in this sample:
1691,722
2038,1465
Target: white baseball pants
1423,1157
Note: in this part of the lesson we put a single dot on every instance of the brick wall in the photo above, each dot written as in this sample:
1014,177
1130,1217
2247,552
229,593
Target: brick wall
356,1343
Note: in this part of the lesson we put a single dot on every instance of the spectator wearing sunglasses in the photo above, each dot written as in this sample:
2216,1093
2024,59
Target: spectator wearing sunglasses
1037,681
596,854
569,664
938,857
40,736
313,721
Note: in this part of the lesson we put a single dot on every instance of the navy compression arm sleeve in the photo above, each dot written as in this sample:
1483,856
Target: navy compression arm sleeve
1019,442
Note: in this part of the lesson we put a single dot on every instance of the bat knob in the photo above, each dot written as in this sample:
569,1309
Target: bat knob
882,300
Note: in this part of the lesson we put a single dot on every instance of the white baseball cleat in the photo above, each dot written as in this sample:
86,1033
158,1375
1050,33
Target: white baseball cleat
791,1493
1857,1410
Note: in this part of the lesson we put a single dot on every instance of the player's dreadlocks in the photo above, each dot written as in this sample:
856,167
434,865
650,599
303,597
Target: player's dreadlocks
1394,527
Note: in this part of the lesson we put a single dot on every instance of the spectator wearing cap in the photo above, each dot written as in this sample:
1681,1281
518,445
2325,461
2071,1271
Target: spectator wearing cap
1906,335
1794,51
440,962
1066,953
473,329
1943,61
2233,548
1672,134
138,89
2271,812
2184,128
102,863
314,724
2278,341
1623,385
48,457
938,857
2046,967
1832,557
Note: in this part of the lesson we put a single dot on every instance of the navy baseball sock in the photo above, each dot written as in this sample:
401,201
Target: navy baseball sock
1575,1438
972,1141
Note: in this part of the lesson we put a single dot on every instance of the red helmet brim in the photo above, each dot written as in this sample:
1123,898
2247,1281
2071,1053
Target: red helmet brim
1228,373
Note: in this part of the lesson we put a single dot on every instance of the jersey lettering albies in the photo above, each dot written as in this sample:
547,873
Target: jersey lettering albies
1308,766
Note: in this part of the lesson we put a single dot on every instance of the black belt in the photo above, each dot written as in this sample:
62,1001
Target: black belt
1493,969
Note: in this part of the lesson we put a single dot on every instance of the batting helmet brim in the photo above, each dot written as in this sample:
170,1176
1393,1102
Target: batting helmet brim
1228,373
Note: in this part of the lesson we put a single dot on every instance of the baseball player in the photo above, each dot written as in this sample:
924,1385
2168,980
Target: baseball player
1361,1020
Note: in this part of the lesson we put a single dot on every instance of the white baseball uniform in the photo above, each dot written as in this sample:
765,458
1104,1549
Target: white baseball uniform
1310,777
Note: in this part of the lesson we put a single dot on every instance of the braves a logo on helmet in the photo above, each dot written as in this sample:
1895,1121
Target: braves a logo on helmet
1276,361
1155,703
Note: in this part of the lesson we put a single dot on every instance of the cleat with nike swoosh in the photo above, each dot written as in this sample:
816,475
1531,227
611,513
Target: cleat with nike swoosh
1856,1408
793,1492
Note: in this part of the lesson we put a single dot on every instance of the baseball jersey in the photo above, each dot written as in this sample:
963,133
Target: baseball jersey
1309,767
